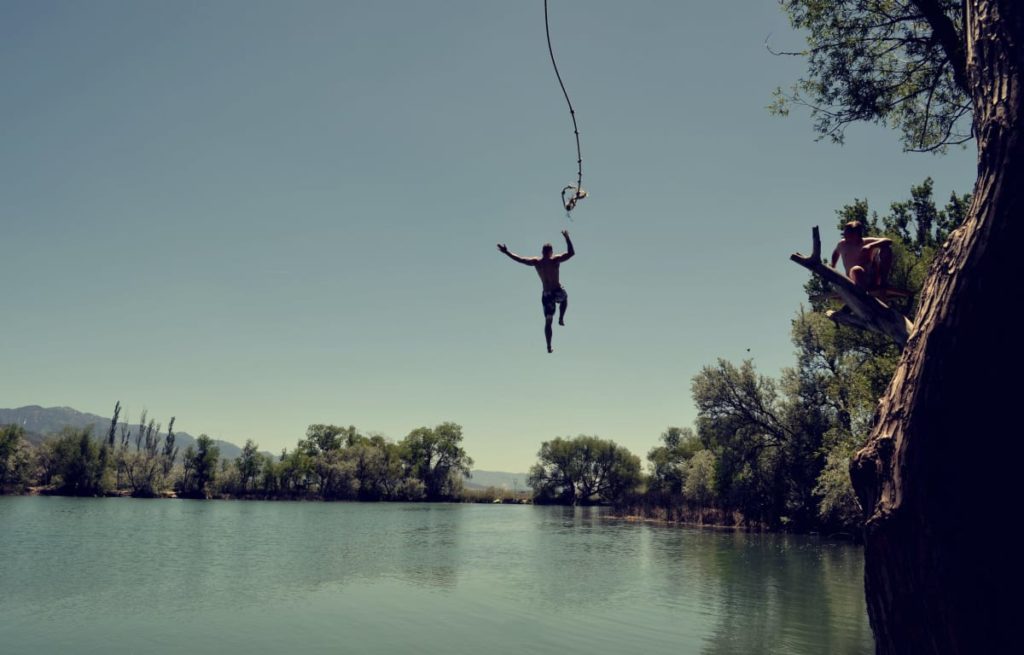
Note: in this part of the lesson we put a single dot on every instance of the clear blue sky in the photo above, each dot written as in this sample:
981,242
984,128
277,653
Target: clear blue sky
260,215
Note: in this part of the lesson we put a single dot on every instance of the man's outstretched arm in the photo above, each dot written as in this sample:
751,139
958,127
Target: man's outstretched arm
529,261
570,252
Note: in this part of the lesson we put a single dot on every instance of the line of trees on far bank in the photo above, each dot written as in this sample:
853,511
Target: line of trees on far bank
330,463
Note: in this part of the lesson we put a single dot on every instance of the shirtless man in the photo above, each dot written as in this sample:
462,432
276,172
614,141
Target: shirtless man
547,268
868,260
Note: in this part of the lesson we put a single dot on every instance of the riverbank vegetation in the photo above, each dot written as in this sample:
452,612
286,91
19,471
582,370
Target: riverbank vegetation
765,452
330,463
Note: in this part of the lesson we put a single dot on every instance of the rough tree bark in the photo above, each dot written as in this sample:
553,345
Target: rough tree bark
938,478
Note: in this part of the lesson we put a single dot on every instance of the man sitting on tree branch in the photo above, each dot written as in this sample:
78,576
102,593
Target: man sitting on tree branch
867,260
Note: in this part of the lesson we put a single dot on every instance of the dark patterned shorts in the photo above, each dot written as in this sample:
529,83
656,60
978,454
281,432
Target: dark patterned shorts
550,298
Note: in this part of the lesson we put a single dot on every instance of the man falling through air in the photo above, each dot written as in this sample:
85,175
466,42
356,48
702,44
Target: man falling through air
867,260
547,268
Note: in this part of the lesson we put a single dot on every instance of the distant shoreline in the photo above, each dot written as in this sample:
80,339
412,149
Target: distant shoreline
624,517
474,497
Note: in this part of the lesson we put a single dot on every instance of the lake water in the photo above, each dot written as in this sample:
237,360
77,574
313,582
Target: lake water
173,576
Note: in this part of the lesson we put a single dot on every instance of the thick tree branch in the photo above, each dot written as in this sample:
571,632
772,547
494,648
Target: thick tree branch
864,311
845,316
946,34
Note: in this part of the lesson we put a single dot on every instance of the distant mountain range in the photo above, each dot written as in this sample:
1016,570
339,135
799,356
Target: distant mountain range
41,422
497,479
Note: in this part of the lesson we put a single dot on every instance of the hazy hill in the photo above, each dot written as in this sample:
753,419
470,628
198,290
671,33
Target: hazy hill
40,422
498,479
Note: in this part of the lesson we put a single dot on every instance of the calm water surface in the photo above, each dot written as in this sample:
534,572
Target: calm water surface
170,576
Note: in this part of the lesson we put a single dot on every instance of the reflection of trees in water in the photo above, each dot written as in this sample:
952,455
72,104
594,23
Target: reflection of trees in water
729,592
430,549
765,593
684,572
781,593
843,572
416,544
249,556
579,559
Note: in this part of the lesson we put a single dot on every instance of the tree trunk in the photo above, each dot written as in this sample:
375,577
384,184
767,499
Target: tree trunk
937,480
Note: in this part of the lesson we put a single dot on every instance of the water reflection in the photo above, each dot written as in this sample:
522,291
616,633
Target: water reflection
496,579
429,551
766,591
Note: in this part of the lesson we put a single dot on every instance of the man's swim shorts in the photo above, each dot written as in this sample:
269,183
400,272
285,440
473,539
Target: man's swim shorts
550,298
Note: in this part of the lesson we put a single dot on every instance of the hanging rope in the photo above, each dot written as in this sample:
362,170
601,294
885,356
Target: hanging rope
576,193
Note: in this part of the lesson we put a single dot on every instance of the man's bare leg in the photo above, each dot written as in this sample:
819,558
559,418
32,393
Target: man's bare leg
883,265
859,276
547,330
561,311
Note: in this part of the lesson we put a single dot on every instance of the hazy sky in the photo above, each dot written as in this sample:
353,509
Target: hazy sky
259,215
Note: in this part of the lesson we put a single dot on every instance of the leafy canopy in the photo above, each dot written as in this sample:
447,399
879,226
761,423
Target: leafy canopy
893,62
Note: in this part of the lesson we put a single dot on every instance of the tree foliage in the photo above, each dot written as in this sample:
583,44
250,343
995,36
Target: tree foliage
583,470
742,419
340,463
15,459
144,468
199,466
248,466
669,462
895,62
79,465
434,457
699,487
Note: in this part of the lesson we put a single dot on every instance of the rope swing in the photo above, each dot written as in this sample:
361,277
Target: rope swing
570,194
